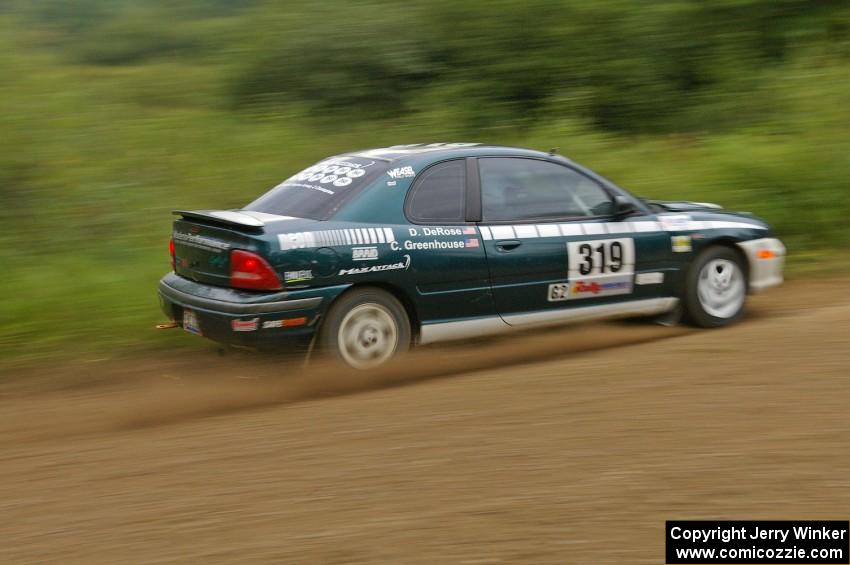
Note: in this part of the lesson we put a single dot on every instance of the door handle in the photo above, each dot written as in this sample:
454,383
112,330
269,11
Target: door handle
507,245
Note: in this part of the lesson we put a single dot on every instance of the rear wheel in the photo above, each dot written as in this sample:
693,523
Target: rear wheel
365,328
716,288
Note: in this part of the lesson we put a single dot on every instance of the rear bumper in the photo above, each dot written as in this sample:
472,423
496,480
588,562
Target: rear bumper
249,319
766,259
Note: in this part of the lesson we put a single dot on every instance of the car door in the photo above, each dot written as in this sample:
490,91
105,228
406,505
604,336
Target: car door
553,244
446,256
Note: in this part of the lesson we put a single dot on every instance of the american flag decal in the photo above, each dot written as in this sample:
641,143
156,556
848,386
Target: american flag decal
473,242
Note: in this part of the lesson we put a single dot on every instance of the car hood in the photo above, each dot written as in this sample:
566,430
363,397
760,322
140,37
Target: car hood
703,211
682,205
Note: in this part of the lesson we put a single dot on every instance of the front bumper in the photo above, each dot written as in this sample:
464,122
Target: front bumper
766,259
249,319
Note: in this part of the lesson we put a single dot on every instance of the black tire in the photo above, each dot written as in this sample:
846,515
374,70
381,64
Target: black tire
375,319
709,303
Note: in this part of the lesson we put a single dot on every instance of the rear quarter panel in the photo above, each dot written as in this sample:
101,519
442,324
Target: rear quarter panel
442,270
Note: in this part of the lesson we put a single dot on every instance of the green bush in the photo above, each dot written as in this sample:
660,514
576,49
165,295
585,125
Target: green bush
653,69
131,39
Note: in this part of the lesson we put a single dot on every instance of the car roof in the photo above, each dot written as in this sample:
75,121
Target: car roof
440,151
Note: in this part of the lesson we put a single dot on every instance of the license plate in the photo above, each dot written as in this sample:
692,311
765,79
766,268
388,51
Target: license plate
190,322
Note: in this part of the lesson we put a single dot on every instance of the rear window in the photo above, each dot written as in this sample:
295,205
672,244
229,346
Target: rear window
438,195
318,191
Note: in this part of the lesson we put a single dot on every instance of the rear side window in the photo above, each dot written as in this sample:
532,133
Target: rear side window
437,196
514,189
319,191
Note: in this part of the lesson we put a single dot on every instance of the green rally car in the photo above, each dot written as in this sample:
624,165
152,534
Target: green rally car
366,254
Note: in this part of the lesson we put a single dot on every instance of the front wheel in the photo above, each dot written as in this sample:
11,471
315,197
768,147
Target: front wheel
365,328
716,288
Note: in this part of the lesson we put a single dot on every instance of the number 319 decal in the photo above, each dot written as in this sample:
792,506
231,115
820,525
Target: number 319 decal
601,257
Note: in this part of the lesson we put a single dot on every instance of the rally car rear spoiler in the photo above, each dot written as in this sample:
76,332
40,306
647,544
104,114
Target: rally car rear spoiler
229,217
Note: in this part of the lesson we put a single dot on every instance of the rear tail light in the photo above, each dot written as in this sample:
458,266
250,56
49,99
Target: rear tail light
250,271
171,250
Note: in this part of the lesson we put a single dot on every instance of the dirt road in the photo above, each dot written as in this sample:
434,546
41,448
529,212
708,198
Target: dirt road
562,447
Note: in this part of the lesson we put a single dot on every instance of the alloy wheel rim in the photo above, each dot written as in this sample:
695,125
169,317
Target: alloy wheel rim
368,336
721,288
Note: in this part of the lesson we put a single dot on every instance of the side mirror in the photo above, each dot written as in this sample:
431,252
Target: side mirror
623,206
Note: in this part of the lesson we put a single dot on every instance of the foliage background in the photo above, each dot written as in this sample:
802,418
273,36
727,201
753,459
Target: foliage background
115,112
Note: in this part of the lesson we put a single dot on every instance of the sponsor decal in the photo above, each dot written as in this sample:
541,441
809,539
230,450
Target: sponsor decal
244,325
311,186
201,242
364,253
340,167
297,276
599,288
287,323
401,172
681,243
338,237
338,172
679,222
649,278
401,265
590,288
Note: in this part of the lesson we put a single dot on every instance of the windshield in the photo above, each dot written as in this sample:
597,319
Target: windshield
319,191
